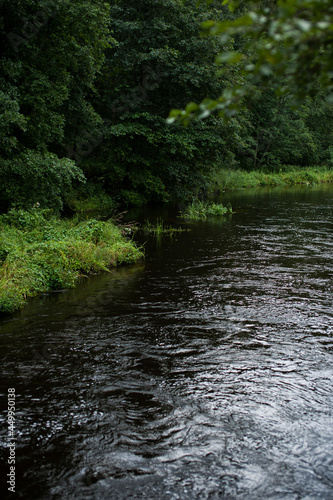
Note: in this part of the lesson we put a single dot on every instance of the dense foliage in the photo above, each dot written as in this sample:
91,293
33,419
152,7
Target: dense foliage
291,40
51,52
160,61
85,89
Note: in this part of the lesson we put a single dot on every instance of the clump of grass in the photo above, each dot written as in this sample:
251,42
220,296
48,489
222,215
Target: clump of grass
39,253
200,210
160,229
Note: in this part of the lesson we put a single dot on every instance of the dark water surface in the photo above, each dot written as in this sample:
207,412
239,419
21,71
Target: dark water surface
203,373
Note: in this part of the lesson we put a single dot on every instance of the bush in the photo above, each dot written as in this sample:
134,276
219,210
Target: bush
38,178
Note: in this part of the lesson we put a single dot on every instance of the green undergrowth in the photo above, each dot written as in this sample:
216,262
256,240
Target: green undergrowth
226,180
92,204
40,252
90,197
200,210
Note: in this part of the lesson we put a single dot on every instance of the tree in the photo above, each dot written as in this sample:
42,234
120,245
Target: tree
292,39
51,53
278,134
160,61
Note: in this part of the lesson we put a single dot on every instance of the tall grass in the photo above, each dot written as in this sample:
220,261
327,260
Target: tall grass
39,253
225,180
200,210
159,228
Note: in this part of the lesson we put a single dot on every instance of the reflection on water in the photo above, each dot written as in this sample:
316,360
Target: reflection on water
204,373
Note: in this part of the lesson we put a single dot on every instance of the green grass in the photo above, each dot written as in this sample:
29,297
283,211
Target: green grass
39,253
226,180
200,210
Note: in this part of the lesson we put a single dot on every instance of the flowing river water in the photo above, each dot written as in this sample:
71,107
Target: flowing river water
204,372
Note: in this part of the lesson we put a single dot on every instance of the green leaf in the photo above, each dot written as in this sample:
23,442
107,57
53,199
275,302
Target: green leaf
229,57
192,106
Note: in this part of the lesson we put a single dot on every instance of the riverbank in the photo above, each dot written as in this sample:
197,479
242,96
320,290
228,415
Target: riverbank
222,180
40,252
226,180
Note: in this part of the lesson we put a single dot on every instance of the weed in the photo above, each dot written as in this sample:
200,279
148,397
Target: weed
200,210
160,229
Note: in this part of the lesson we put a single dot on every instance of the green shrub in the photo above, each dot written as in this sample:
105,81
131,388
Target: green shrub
38,178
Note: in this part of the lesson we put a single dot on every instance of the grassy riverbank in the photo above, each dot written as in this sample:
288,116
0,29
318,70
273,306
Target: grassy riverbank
226,180
40,252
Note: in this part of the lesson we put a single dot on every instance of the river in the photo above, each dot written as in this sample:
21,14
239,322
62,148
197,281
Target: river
204,372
